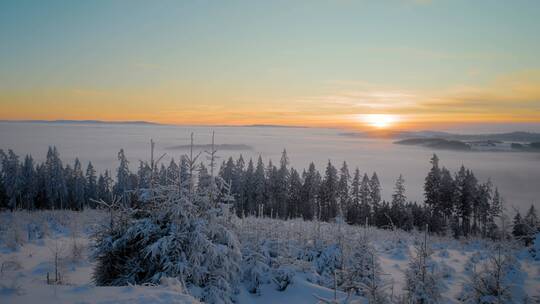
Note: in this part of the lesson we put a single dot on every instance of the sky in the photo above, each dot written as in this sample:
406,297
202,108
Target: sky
406,64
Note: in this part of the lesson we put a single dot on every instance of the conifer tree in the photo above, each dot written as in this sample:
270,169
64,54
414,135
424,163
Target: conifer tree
123,181
259,186
29,183
91,185
79,186
56,188
310,193
343,189
329,193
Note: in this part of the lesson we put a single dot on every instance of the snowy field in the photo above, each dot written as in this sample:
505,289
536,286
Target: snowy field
29,243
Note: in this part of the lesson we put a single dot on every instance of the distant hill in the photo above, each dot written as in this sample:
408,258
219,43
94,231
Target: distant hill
517,136
62,121
436,143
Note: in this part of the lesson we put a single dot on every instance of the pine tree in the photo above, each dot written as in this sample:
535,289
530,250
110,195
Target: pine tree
490,284
172,173
204,180
123,180
3,194
104,187
294,197
282,182
399,198
329,193
422,278
447,196
374,190
343,189
518,230
465,194
432,193
79,186
353,212
248,189
91,190
237,184
259,186
12,178
29,183
310,193
56,188
182,235
531,225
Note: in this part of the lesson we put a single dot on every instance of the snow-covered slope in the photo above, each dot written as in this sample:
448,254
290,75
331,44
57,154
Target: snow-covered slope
30,241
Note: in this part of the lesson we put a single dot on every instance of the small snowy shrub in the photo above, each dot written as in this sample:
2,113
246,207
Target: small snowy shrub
493,283
283,277
255,271
422,279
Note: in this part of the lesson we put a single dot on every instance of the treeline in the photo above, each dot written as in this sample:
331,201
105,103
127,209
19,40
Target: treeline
456,204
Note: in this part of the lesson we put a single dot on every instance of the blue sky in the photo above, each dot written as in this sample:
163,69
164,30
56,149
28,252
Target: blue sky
232,55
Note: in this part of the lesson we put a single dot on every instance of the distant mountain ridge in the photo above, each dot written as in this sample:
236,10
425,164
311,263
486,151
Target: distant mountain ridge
67,121
517,136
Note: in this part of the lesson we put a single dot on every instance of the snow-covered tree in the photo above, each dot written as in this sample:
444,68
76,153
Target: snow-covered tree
180,235
91,190
329,193
78,186
492,283
29,183
55,188
531,225
374,189
294,197
422,280
259,185
123,181
11,170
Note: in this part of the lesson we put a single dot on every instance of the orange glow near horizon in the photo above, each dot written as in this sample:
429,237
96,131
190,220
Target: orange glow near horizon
379,121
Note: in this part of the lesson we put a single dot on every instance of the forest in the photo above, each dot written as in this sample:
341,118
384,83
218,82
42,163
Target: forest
455,204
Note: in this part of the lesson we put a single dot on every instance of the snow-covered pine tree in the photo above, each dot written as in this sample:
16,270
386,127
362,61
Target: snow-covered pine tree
104,187
329,193
294,197
432,193
447,197
123,181
343,189
353,212
29,183
310,191
422,280
531,225
492,283
12,178
518,227
366,198
172,173
282,183
180,235
259,186
374,189
56,188
237,184
248,189
91,190
79,186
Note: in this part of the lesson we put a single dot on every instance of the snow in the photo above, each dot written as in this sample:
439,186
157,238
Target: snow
26,258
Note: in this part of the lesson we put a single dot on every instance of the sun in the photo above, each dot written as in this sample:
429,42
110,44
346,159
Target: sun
379,121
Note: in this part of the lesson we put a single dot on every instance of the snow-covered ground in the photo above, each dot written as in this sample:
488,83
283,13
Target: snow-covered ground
30,241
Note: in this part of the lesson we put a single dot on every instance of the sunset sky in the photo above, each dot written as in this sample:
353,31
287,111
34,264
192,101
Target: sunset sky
414,64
